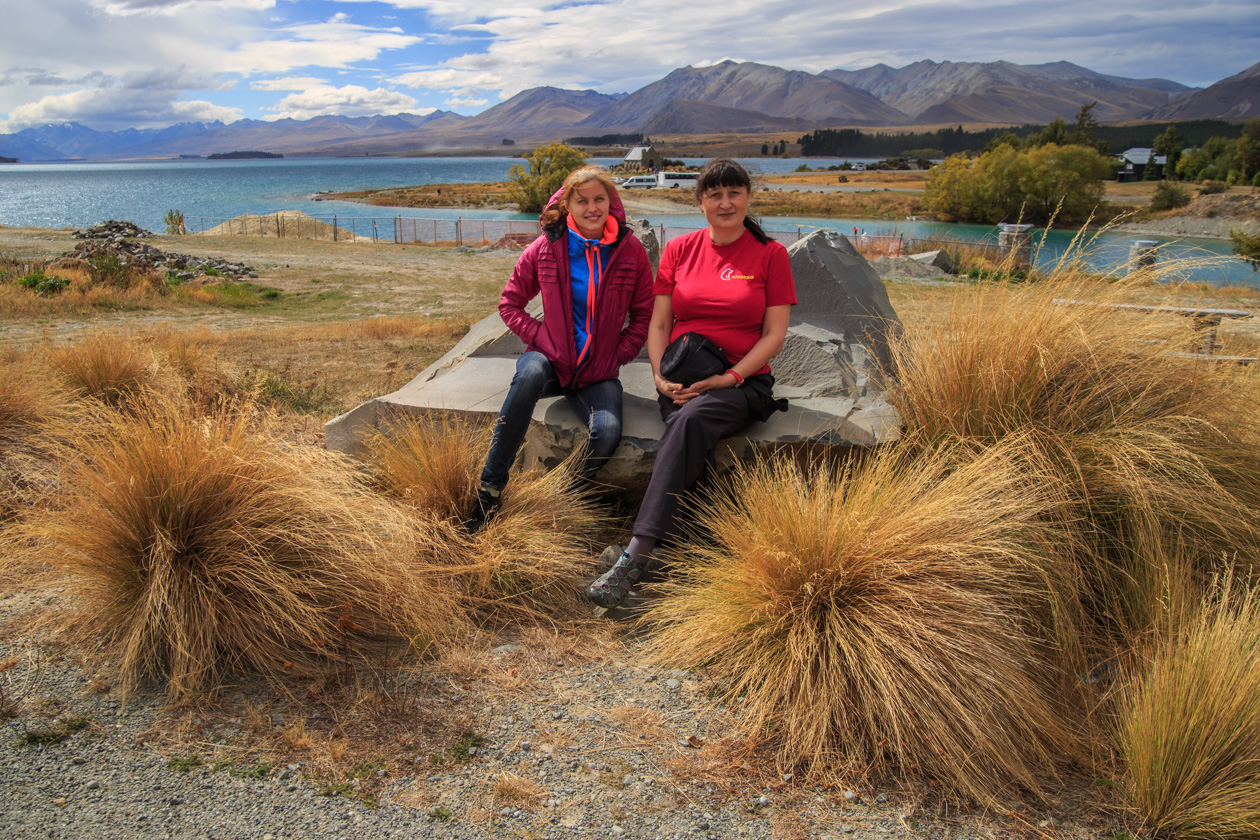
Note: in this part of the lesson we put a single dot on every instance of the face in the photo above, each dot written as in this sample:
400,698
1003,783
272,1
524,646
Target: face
588,205
725,209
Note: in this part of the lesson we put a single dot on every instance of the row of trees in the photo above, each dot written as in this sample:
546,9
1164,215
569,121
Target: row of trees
853,142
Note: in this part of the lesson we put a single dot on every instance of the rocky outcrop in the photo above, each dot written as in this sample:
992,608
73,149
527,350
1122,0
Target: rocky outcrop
830,369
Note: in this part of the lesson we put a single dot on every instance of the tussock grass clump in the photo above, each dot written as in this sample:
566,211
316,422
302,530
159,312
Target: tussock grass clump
1189,726
27,403
530,562
199,547
192,358
1157,449
107,366
873,621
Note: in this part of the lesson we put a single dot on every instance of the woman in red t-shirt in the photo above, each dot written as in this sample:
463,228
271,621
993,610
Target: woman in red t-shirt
733,285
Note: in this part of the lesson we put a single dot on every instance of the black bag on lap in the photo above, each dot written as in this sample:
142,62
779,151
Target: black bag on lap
692,357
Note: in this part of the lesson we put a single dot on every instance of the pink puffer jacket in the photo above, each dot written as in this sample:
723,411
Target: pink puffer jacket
623,302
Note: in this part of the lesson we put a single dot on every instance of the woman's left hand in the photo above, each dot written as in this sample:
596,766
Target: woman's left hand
713,383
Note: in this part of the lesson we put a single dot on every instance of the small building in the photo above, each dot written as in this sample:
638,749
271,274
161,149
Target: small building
642,159
1134,163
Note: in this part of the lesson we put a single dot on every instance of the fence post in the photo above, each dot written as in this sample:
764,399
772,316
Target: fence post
459,230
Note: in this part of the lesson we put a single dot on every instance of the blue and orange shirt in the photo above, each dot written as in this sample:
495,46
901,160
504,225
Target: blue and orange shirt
587,258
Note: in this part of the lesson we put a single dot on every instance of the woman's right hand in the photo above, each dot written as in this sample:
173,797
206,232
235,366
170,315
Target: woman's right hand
672,390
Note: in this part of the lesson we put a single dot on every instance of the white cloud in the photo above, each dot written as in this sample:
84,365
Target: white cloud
466,102
333,44
287,83
119,107
124,8
346,101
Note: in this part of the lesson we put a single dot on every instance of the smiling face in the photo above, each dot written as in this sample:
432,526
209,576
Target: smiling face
588,205
725,209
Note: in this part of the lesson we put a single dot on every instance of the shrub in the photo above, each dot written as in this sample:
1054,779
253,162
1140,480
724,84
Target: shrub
174,221
110,367
871,621
1157,451
43,284
1189,727
530,561
1212,188
199,547
548,167
1169,196
27,404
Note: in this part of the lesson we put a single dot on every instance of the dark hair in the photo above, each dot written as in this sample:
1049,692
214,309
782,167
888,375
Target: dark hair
724,172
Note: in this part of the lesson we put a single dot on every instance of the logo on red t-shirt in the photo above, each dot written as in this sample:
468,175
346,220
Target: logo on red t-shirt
728,274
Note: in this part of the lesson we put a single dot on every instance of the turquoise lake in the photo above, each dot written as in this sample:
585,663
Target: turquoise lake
59,195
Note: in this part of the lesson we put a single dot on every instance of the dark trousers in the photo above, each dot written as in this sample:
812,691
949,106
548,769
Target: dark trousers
692,432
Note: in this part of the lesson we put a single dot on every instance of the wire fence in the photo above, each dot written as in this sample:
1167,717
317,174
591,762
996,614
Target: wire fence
518,233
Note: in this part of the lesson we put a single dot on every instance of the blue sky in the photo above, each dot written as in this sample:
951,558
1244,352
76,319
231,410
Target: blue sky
114,64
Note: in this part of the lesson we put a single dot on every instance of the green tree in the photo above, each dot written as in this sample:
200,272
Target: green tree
1007,185
548,167
1010,138
1247,247
765,149
1085,132
1063,181
1170,145
949,188
1056,131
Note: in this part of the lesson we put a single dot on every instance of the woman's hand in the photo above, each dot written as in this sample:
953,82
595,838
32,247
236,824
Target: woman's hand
681,395
672,390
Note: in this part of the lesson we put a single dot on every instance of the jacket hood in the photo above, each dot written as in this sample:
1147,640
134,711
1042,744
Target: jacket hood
615,207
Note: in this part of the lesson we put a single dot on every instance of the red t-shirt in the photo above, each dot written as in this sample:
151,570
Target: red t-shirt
722,291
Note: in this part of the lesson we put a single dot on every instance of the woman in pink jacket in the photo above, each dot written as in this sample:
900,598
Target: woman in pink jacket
596,286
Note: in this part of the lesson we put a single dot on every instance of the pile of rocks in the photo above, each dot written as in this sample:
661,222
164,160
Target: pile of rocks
112,230
113,238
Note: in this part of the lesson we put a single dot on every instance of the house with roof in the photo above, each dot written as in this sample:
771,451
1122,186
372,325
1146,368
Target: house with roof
1134,163
642,159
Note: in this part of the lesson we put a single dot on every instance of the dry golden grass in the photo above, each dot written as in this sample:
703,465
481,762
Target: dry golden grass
199,546
108,366
874,622
1158,450
429,463
530,562
862,205
28,403
1189,725
518,788
88,291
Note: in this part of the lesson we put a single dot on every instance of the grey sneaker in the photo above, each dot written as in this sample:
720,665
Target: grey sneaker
612,587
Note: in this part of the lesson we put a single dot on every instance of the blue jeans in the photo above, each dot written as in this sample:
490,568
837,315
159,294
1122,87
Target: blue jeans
599,406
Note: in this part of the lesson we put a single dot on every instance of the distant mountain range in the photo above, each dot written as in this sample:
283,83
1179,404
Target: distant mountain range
723,98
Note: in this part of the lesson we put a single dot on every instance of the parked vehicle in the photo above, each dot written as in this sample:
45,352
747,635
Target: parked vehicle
676,179
639,182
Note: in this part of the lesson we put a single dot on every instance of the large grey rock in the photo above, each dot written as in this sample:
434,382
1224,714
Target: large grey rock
830,370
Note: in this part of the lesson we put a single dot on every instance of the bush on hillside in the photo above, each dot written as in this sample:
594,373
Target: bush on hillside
1169,196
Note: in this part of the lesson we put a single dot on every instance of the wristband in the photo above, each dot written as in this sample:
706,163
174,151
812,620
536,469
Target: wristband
739,380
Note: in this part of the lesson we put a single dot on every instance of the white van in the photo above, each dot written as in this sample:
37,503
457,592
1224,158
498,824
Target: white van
639,182
676,179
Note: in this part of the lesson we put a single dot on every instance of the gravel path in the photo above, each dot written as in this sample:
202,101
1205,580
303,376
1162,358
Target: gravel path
588,746
571,743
